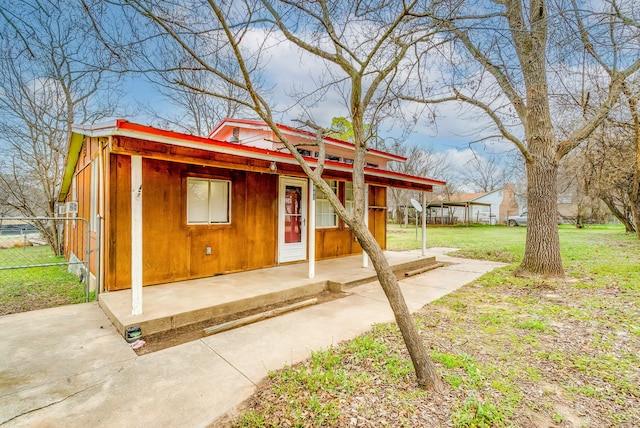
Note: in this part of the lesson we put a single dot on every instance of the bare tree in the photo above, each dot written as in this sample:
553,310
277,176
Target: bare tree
193,110
484,173
49,74
360,45
510,59
577,202
607,163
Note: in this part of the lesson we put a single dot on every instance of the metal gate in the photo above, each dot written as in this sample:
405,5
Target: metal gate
32,275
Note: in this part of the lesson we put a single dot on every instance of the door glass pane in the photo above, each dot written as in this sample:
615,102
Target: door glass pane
292,216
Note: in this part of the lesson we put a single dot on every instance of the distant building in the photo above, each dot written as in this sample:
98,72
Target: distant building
484,208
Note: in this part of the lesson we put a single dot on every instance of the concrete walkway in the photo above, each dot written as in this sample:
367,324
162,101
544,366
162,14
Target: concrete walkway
68,366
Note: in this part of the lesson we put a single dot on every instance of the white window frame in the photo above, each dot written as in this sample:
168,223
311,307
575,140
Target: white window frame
209,221
324,209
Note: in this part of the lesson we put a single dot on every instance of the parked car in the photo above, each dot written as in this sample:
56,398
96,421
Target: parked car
517,220
521,220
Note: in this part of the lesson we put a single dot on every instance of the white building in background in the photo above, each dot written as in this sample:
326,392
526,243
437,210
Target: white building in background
484,208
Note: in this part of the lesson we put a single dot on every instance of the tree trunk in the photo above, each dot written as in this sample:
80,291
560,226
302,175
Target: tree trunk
426,373
623,217
542,249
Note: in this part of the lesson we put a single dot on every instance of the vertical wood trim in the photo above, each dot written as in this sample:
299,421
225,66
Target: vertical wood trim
365,257
106,214
312,229
136,235
424,223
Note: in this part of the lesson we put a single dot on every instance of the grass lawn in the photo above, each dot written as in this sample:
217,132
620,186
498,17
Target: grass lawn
512,351
35,288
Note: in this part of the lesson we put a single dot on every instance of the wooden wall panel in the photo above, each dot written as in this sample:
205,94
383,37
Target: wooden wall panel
340,241
83,187
261,213
77,229
226,241
118,269
165,251
378,214
174,250
334,242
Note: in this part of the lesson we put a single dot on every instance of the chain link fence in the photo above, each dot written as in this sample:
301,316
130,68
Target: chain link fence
32,275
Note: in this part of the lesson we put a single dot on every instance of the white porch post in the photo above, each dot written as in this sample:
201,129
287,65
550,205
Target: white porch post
312,229
365,257
424,223
136,235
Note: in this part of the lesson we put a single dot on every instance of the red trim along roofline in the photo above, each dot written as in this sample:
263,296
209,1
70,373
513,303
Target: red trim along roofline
125,128
258,124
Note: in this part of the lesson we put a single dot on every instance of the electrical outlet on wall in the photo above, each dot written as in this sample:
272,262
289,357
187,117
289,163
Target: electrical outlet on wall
207,251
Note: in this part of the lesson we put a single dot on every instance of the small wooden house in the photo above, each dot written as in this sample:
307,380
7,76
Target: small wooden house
164,206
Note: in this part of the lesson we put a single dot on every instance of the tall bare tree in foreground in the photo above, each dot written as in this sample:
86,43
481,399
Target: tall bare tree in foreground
515,59
49,72
360,45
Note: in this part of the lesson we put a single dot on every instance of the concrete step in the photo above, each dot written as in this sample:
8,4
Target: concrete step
179,313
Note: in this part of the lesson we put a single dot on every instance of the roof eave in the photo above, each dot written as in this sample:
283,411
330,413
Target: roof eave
75,146
288,130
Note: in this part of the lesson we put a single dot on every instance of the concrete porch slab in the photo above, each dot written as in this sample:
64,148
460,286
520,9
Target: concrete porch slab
177,304
68,367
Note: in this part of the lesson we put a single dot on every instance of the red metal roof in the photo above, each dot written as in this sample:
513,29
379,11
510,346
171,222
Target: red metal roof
263,125
125,128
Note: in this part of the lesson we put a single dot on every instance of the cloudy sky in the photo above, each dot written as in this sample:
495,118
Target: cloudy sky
455,134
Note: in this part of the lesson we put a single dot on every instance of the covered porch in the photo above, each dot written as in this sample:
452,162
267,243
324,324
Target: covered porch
177,304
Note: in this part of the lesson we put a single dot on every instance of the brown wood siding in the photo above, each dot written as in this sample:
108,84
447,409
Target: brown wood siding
378,214
174,250
118,266
261,234
164,244
77,231
340,241
335,242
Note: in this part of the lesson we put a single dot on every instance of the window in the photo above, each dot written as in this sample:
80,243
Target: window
348,197
208,201
325,214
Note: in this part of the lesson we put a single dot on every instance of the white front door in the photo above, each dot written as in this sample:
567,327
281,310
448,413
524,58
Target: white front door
292,220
